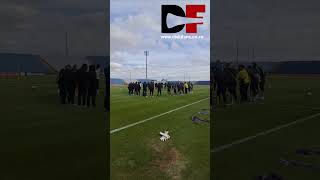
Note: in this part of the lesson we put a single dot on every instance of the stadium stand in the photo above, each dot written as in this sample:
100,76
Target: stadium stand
298,67
145,80
115,81
202,82
287,67
24,63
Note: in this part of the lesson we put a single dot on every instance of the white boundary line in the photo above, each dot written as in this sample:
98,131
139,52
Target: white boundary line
159,115
277,128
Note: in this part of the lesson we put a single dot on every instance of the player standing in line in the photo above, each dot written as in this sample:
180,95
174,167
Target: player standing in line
69,84
262,79
107,83
83,85
75,83
189,87
159,87
186,87
254,80
175,88
92,86
218,72
169,88
244,81
230,82
151,88
139,88
98,74
144,89
181,88
61,86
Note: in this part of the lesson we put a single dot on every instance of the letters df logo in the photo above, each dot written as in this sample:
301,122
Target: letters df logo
191,12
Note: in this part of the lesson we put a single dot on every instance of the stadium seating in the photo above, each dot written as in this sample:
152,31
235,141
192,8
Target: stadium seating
298,67
114,81
287,67
15,63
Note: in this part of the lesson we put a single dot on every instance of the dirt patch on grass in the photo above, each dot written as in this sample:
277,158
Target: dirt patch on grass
168,160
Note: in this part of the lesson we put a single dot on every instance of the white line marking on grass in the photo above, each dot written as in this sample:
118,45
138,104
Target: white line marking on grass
277,128
159,115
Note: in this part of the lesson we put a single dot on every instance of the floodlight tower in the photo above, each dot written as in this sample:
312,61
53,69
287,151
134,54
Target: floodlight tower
237,52
146,53
253,55
66,44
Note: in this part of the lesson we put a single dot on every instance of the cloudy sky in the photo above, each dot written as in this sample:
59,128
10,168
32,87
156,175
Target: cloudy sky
277,29
136,27
38,27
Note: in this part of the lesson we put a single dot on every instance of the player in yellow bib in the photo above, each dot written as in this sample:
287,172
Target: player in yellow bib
244,81
186,87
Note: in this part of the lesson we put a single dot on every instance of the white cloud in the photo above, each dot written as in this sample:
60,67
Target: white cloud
137,27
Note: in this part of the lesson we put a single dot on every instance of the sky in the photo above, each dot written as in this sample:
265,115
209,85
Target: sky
277,29
38,27
136,27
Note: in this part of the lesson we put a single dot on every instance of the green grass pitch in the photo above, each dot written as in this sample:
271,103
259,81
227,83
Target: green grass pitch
41,139
137,152
285,101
